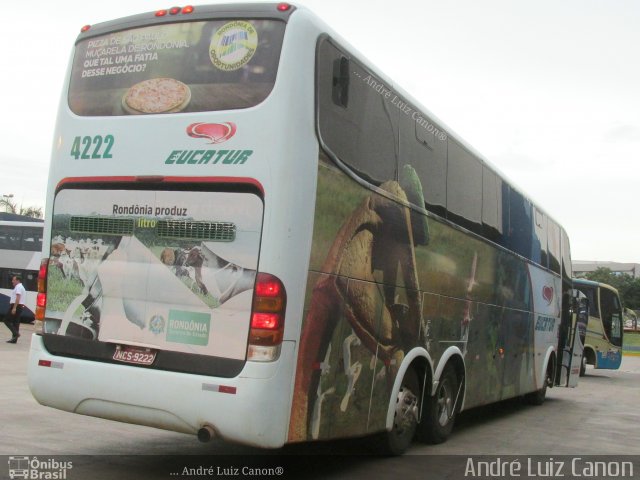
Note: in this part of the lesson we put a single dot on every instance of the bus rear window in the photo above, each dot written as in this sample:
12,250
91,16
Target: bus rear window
178,67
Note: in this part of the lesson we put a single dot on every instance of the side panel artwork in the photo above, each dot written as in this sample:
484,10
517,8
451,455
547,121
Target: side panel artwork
385,279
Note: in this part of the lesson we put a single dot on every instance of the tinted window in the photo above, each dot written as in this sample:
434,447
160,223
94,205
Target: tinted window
491,205
590,293
29,278
32,239
10,237
520,233
464,187
553,242
539,253
611,312
423,145
567,269
204,66
359,127
21,238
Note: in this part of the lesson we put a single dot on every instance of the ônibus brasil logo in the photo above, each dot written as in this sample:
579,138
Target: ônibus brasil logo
34,468
216,132
547,294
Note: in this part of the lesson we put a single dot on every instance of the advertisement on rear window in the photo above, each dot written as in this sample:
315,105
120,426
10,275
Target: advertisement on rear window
178,67
163,270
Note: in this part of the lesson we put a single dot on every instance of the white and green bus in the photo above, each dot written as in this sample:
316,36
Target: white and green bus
253,234
605,329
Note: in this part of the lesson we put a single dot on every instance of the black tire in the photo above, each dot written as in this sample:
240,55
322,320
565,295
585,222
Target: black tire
538,397
405,421
440,410
583,364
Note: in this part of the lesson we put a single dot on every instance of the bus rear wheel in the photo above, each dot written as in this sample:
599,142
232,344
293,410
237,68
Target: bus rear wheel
405,418
537,397
440,409
583,364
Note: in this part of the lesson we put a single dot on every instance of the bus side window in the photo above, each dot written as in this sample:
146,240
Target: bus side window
539,253
520,234
464,187
567,269
10,237
553,239
362,129
30,280
594,307
491,205
611,315
423,149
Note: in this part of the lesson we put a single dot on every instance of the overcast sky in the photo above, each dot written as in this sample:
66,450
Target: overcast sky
548,91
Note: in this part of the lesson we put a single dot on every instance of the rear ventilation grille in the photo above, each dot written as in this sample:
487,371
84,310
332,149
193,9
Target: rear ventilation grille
185,230
102,225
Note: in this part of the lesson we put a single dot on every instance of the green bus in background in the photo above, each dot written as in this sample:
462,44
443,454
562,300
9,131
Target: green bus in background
603,343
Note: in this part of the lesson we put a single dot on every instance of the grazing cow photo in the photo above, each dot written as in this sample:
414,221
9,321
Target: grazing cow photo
78,259
208,273
184,262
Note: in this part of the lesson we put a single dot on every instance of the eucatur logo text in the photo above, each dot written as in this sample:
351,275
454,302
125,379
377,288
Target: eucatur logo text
199,157
215,133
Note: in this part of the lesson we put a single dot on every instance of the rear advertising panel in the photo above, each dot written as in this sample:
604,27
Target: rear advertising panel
151,271
177,67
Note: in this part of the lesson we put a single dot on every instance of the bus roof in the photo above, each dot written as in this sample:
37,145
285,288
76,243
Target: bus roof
199,12
8,218
592,283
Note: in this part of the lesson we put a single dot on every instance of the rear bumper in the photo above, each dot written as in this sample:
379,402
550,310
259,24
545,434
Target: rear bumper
233,407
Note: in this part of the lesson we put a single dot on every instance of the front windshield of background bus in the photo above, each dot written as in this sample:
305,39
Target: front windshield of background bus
176,67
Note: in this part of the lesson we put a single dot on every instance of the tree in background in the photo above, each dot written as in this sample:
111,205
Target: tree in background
627,286
12,207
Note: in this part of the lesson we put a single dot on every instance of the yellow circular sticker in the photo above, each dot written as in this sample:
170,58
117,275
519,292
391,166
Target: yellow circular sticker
233,45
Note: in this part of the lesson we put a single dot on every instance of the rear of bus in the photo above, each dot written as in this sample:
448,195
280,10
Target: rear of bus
173,288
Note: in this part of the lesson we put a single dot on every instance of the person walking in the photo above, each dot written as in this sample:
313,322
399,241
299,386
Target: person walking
16,304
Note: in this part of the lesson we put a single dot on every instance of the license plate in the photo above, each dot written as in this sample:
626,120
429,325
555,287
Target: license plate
136,355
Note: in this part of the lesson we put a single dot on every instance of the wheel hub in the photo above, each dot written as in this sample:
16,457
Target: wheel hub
406,410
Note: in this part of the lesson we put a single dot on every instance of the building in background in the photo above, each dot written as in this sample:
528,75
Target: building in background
583,267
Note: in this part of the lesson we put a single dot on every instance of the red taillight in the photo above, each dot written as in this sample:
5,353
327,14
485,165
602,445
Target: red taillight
283,7
187,9
267,321
85,28
267,317
268,288
174,10
161,13
41,299
42,274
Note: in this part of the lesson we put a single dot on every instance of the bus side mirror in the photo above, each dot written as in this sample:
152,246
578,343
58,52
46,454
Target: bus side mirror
340,91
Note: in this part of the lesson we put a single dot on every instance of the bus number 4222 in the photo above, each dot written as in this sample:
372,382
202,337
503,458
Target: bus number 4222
85,148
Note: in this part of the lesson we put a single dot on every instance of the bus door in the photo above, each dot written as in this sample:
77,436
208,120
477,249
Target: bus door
571,342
